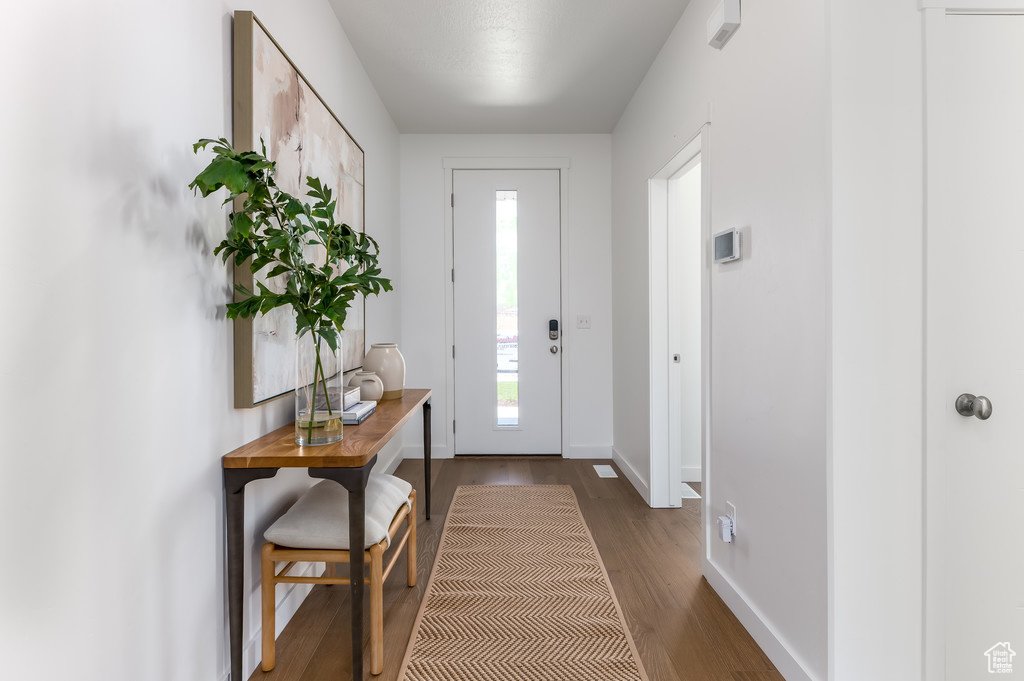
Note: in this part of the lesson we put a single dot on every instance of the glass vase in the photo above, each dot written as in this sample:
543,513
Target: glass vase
318,390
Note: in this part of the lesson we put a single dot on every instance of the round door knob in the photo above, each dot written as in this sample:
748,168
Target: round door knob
554,349
970,405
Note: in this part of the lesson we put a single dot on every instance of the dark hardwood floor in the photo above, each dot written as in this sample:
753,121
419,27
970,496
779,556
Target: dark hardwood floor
681,627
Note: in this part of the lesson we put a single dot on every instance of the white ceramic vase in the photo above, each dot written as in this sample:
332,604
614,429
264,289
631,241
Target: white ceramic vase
369,384
387,362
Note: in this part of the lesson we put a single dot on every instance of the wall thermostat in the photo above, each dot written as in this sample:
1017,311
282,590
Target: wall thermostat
726,246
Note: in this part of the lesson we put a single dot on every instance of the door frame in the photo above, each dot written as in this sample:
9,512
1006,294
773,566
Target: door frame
937,404
451,164
666,486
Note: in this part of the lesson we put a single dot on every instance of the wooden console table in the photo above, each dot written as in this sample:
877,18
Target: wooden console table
347,462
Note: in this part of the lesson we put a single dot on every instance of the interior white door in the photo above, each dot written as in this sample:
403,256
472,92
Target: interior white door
685,254
507,281
975,344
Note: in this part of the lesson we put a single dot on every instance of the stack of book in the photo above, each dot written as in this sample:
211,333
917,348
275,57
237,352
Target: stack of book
358,412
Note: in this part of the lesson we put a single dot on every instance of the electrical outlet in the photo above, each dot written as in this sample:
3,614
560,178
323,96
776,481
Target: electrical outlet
582,321
732,514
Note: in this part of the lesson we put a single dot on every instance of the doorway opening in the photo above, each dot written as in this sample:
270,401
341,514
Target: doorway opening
680,328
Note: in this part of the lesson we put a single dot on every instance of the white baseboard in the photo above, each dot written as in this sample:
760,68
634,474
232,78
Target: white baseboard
788,664
436,452
642,487
691,474
588,452
574,452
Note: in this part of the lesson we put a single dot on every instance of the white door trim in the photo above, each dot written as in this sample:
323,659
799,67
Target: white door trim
450,164
666,485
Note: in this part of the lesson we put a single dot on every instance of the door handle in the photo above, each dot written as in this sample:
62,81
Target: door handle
969,405
554,349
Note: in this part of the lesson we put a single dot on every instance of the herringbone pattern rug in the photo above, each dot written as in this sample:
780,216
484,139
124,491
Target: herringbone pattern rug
518,593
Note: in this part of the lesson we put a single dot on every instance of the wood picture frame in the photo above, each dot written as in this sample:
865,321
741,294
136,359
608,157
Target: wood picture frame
274,105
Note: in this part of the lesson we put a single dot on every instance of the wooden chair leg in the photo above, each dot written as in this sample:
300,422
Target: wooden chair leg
268,596
410,549
376,609
267,622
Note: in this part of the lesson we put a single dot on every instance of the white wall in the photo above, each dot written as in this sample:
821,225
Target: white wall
877,298
769,165
425,278
116,357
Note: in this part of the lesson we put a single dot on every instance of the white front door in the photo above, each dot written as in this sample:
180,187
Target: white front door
975,345
507,281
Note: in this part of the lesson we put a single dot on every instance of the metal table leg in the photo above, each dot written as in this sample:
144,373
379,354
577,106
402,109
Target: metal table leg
235,480
354,480
426,457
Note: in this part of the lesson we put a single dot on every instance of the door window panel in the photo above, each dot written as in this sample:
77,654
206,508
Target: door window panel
507,298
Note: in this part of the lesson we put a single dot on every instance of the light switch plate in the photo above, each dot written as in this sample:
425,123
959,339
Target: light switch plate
582,321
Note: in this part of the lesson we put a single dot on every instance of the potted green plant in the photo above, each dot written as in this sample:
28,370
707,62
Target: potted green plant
324,266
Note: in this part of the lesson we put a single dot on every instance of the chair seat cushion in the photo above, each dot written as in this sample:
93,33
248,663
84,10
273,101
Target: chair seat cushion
319,519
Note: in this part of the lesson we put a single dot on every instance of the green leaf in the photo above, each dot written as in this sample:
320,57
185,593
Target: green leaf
292,207
262,164
203,143
242,224
244,308
278,271
331,336
222,172
268,303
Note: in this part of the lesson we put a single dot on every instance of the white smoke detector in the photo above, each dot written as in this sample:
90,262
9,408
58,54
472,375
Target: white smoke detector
723,22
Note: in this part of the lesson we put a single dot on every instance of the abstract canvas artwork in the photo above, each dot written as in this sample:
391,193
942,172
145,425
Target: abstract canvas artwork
274,103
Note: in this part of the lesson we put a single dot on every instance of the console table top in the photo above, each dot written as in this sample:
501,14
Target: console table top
360,444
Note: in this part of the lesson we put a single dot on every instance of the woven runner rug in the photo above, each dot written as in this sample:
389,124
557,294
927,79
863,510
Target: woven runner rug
519,593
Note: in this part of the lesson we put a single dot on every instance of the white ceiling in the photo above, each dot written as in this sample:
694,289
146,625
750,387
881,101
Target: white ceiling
515,66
